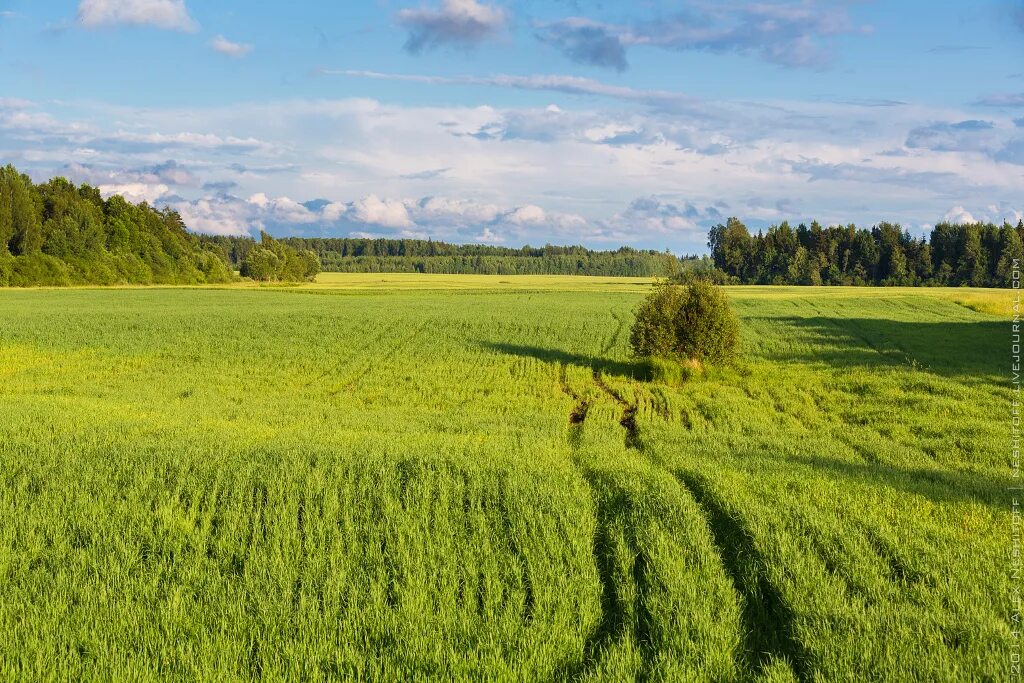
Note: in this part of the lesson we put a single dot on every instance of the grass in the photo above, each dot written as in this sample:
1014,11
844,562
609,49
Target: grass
418,281
414,477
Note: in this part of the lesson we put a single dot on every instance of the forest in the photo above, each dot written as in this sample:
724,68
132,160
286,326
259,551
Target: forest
359,255
975,255
58,234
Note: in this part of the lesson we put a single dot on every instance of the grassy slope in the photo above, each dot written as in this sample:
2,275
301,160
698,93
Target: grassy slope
204,483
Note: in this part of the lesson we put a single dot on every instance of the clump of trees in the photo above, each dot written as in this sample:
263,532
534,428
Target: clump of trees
273,260
691,324
56,233
977,255
358,255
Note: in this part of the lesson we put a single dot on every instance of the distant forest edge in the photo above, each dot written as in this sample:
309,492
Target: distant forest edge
56,233
976,255
360,255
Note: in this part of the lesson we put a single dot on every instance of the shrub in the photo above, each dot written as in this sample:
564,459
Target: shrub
692,323
653,334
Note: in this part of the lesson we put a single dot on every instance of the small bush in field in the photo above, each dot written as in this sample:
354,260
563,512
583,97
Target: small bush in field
687,323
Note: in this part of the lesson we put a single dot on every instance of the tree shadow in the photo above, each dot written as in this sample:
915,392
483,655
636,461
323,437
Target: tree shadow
975,349
939,486
638,370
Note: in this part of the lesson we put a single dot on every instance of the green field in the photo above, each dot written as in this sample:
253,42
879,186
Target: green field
413,478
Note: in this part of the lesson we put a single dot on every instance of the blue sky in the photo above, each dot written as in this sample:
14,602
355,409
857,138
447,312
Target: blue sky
602,123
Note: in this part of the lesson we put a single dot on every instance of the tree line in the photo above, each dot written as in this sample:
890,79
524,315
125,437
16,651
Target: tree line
57,233
977,255
358,255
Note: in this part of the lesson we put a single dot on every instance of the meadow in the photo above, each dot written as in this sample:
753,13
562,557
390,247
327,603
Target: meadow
380,477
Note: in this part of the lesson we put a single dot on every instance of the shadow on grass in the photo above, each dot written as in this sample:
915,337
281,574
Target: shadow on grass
937,485
975,349
638,370
769,626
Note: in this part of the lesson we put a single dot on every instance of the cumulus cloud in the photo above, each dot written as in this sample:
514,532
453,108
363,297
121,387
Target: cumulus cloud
488,236
166,14
383,212
527,215
958,215
461,23
652,214
796,34
220,215
281,209
459,212
231,49
137,192
993,213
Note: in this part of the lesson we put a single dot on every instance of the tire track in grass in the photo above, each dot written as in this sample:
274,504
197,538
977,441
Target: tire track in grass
769,637
769,630
579,412
612,514
628,420
615,607
899,571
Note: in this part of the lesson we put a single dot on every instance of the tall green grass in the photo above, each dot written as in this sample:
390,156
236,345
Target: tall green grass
322,484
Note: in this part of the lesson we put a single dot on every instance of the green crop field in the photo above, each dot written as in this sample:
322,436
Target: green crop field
413,478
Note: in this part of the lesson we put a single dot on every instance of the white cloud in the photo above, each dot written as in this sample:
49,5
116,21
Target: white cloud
958,214
185,139
456,211
993,213
488,236
526,215
136,192
383,212
217,215
281,209
166,14
231,49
